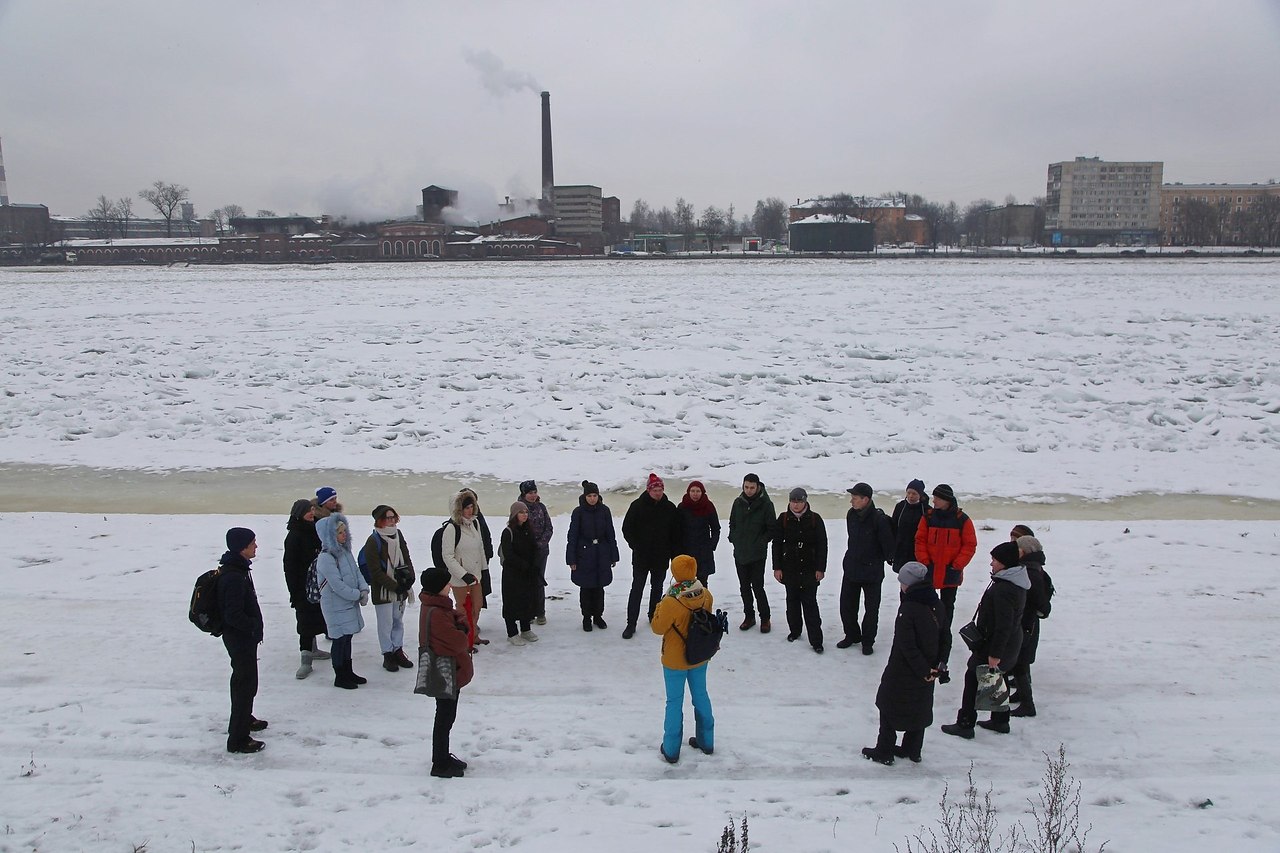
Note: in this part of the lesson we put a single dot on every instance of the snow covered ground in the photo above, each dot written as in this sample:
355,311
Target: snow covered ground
1004,378
1009,379
1155,672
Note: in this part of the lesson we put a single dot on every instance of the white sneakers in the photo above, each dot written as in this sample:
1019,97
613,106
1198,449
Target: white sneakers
517,640
529,636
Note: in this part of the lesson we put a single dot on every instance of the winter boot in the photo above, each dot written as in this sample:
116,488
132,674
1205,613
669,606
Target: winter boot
693,742
445,770
999,722
586,623
352,675
1026,709
885,758
599,622
343,680
846,643
629,632
868,646
765,626
389,662
457,762
962,727
403,659
748,623
304,669
317,653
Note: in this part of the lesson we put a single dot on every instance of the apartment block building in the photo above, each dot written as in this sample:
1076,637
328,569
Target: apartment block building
1091,201
1218,214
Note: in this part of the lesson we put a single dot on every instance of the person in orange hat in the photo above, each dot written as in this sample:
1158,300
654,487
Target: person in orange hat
671,622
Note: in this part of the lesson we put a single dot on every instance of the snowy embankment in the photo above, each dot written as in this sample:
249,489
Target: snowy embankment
1007,379
1154,672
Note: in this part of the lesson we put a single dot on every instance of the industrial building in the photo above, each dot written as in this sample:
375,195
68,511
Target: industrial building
831,232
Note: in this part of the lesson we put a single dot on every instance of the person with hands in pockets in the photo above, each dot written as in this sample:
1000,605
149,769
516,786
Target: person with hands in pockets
343,590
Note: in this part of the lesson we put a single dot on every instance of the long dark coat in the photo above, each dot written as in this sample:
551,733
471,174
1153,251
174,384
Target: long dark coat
1000,620
701,536
906,518
521,581
870,544
301,545
905,699
800,548
653,531
1037,605
592,545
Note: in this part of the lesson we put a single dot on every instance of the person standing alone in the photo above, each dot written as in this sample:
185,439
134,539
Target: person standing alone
241,634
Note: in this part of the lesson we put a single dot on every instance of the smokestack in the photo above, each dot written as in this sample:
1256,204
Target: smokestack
4,187
548,172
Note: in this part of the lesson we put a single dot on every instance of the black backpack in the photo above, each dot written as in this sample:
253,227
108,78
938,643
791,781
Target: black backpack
706,630
204,612
437,544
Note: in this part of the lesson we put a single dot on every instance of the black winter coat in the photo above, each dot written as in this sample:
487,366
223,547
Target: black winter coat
700,535
800,548
521,581
592,545
653,531
870,544
1038,606
1000,621
906,518
301,545
238,602
905,699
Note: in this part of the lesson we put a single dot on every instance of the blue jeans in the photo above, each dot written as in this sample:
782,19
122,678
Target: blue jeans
673,723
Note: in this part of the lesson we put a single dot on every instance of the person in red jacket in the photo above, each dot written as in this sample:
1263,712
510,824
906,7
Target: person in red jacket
945,542
450,632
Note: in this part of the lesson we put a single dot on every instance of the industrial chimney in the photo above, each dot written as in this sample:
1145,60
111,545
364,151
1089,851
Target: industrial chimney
548,173
4,187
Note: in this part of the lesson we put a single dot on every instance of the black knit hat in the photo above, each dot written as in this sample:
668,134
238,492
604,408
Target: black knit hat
590,488
942,490
528,486
434,581
1006,554
239,538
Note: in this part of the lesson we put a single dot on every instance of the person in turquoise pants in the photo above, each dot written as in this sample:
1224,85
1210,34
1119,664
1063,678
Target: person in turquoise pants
671,622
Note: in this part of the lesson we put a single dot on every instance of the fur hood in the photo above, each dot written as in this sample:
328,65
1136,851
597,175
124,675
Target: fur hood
455,506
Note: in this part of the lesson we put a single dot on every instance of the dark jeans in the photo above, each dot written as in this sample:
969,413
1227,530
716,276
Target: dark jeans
540,597
751,584
948,597
802,612
244,686
340,653
446,713
850,594
511,627
591,601
969,698
655,575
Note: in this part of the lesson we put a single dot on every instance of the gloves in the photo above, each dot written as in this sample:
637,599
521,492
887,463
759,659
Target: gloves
364,597
469,579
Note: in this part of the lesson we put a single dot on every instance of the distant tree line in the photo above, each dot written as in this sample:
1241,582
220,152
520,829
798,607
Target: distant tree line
1208,223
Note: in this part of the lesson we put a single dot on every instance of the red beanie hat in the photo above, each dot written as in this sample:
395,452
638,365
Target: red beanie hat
654,480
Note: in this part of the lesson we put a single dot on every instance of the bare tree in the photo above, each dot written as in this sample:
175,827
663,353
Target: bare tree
1199,222
712,224
770,218
685,221
102,218
730,221
124,214
265,213
664,221
641,216
165,198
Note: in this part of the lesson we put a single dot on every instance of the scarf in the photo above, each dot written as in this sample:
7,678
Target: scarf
391,536
702,506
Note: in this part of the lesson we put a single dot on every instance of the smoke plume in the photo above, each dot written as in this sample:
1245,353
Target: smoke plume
496,77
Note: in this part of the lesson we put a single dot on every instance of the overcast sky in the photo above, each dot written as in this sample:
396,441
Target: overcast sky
352,108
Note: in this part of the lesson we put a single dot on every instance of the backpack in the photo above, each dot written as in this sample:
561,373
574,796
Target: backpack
1048,596
204,612
313,583
437,544
363,563
706,630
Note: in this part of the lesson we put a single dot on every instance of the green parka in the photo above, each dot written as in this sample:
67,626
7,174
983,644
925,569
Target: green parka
752,526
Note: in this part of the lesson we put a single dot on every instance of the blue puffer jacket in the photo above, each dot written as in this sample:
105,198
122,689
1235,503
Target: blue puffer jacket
339,578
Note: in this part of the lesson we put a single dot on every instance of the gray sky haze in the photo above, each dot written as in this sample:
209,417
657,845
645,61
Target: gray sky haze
345,108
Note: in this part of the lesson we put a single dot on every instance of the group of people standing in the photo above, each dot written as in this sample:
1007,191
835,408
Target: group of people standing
928,548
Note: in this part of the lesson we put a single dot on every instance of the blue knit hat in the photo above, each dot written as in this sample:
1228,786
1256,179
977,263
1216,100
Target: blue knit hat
325,493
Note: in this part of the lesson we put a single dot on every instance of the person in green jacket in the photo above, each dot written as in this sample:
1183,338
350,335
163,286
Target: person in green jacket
752,524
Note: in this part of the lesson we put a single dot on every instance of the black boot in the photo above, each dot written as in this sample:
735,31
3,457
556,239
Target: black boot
586,623
1026,709
352,675
389,662
628,632
599,622
871,752
402,659
342,679
999,722
962,727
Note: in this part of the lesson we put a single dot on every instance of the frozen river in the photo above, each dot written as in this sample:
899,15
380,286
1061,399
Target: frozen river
1059,384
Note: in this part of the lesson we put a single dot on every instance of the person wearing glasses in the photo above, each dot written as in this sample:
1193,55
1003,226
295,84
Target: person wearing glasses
391,577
